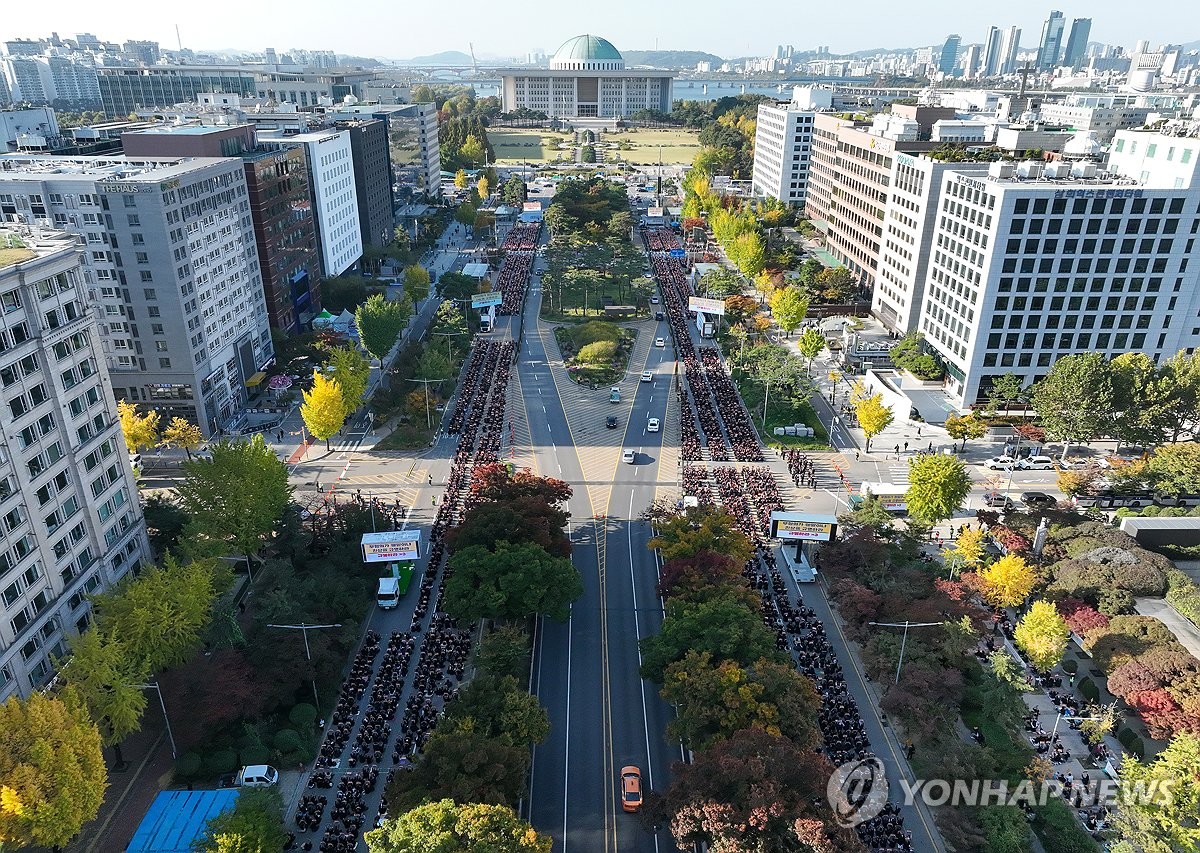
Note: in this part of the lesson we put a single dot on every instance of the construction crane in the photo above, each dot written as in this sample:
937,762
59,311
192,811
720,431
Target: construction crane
474,64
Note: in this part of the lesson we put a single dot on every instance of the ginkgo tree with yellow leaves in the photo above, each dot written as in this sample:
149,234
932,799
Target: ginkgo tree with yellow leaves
1007,582
140,431
1042,635
181,432
873,416
324,408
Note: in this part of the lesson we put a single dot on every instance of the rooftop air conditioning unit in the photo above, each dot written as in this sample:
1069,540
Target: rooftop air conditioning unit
1001,170
1083,170
1056,170
1029,169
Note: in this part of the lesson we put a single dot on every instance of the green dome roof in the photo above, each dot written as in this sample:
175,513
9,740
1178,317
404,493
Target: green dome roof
587,49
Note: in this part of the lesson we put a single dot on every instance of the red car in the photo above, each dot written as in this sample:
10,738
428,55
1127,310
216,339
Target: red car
631,788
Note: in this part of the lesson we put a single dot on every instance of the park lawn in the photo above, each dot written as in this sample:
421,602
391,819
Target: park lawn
530,144
678,146
782,412
408,436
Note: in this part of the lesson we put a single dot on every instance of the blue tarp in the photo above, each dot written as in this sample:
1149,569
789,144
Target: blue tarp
176,819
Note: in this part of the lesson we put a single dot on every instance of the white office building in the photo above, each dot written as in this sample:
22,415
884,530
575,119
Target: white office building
71,521
331,165
171,271
783,145
1031,262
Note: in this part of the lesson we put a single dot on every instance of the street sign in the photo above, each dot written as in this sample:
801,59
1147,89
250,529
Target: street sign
803,526
708,306
677,253
483,300
392,546
654,212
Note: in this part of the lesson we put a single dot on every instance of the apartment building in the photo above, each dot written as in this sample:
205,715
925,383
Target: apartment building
171,269
1103,121
783,145
71,525
1031,262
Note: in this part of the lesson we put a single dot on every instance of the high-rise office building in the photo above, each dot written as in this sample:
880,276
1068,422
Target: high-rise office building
783,145
72,525
991,53
971,61
331,173
170,266
1010,45
1050,46
948,58
1077,41
372,180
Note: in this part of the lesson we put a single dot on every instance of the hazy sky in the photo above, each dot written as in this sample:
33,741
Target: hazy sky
405,29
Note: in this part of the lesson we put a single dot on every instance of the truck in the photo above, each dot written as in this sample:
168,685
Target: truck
487,318
394,587
891,496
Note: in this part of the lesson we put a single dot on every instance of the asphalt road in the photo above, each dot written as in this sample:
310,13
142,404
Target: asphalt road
602,714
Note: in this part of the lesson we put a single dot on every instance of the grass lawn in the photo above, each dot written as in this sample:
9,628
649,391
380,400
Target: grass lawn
595,375
678,146
8,257
531,144
571,309
782,412
409,436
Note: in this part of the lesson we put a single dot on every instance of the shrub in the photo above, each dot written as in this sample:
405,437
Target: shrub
1129,739
257,754
188,765
303,716
592,331
1186,599
599,352
287,741
1088,690
1132,677
1059,830
1125,637
219,762
1070,664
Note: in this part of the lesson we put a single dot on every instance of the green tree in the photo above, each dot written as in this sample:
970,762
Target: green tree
347,367
1164,821
810,344
1007,389
964,427
253,825
720,283
938,485
750,252
433,364
380,323
789,306
1181,375
497,708
511,582
416,282
1042,635
1075,400
52,772
237,495
1141,400
722,626
1008,671
699,529
106,678
447,826
324,408
505,651
181,432
467,767
140,431
1175,468
873,416
837,284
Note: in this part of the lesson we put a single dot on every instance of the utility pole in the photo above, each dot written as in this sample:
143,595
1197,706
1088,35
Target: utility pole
448,336
766,397
153,685
904,640
428,422
304,628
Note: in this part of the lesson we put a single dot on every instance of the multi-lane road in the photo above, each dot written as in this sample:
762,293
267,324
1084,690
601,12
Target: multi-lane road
603,715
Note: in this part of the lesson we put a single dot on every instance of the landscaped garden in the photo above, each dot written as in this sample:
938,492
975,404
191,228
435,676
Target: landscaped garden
596,353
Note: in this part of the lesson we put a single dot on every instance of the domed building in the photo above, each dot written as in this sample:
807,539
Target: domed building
587,84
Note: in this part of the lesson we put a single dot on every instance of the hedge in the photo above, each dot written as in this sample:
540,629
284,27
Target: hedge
219,762
188,765
303,716
1070,665
287,740
1130,740
1089,690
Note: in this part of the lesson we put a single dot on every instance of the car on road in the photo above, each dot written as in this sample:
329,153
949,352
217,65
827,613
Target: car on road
135,461
631,788
653,300
647,376
611,422
652,425
628,457
997,500
659,316
1038,500
1036,463
1001,463
660,342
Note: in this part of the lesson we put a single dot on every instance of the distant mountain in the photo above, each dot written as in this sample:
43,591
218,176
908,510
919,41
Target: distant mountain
446,57
669,58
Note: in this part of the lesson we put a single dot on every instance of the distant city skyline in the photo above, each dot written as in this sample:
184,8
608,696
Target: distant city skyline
674,25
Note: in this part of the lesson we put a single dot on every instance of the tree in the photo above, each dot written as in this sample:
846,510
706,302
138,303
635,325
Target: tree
253,825
720,282
938,485
1042,635
106,679
1007,389
416,282
140,431
511,582
789,306
738,308
836,285
462,828
749,253
497,708
1141,400
347,367
1181,376
969,546
380,323
810,344
1076,398
1175,468
873,417
505,651
181,432
483,188
722,626
52,773
472,152
520,521
705,570
1164,821
238,495
965,427
1008,671
1007,582
460,178
324,408
699,529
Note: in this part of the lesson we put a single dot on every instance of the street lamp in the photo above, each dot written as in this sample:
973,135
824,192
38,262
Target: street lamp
153,685
904,640
304,628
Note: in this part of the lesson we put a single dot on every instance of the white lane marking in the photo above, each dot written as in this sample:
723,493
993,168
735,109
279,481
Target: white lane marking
567,736
637,630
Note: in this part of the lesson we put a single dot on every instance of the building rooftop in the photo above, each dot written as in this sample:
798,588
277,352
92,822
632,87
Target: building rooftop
19,244
586,48
100,168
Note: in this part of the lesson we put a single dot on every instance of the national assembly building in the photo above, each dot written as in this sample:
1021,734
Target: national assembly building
586,83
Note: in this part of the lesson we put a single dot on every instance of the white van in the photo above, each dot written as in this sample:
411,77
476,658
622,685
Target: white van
1036,463
388,595
256,776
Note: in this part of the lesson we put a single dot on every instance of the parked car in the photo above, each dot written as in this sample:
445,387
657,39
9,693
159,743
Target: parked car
1036,463
256,776
1001,463
652,425
997,500
1038,500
